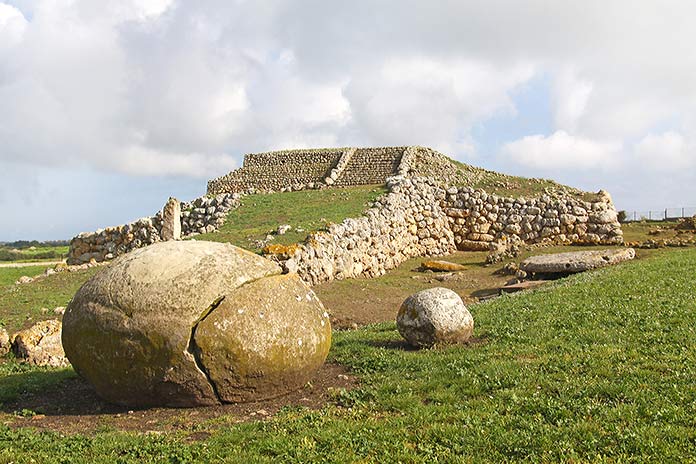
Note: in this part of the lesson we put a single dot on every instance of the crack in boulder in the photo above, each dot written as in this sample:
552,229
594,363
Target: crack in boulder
195,350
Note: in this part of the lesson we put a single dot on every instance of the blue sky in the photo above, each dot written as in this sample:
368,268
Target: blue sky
109,107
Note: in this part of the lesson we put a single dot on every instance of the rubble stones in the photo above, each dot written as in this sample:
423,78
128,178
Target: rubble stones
202,215
442,266
4,342
434,316
40,344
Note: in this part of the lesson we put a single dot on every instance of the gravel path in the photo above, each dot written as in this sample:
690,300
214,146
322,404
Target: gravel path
42,263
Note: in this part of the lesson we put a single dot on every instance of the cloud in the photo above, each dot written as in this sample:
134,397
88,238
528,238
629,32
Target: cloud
177,88
570,97
12,26
561,150
668,151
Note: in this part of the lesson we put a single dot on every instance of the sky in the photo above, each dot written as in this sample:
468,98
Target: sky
108,107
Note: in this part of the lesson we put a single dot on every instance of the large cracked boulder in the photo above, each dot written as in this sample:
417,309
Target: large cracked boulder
576,261
434,316
194,323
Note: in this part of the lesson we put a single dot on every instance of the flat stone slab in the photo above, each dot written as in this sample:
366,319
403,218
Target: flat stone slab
576,261
526,285
442,266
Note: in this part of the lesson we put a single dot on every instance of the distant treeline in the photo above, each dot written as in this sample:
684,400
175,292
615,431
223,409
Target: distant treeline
21,244
22,250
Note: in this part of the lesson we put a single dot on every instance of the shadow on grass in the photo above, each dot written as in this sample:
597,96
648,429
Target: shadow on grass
52,393
402,345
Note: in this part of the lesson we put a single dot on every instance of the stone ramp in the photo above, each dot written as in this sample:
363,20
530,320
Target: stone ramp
371,166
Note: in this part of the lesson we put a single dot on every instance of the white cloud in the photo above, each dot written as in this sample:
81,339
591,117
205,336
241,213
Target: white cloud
668,151
561,150
426,101
12,27
570,96
173,87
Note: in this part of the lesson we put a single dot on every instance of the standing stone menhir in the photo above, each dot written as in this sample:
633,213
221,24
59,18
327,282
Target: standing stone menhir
186,323
171,220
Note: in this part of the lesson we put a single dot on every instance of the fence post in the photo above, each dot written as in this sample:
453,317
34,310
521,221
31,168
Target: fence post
665,214
634,215
649,215
682,213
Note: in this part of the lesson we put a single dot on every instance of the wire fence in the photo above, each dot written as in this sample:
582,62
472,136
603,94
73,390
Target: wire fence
661,215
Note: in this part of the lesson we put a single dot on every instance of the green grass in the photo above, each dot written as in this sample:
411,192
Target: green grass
310,210
599,367
34,254
21,304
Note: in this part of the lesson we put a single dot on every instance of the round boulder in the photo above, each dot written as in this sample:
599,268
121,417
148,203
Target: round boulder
434,316
187,323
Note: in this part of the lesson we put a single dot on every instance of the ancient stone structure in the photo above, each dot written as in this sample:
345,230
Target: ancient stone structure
318,168
419,217
171,220
202,215
431,209
186,323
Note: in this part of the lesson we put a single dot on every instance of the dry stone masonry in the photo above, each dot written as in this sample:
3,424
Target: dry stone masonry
419,217
429,210
202,215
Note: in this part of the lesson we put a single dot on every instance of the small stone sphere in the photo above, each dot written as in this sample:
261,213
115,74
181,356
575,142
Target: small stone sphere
433,317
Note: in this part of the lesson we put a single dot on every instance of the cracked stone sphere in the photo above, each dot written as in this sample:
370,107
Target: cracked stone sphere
434,316
188,323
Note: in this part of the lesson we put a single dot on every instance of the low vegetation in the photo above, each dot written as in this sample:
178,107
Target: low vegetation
21,305
25,251
596,367
305,211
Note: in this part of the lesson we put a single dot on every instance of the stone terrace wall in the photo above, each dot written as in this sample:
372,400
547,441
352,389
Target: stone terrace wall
404,223
419,217
198,216
298,169
477,218
311,169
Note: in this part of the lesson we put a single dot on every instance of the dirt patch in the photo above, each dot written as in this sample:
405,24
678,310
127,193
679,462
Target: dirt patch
73,407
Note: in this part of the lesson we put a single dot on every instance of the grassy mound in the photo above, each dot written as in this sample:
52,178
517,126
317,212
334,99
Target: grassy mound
597,367
306,211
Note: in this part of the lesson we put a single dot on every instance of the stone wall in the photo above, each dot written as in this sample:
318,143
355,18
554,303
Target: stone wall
274,171
312,169
477,218
420,217
198,216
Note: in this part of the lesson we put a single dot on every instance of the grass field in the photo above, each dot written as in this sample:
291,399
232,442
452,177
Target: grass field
600,367
20,305
309,211
34,253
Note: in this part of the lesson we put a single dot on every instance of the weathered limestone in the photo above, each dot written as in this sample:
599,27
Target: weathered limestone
434,316
419,217
442,266
171,220
577,261
185,323
40,344
4,342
